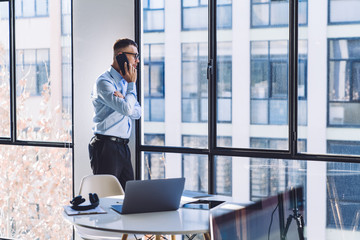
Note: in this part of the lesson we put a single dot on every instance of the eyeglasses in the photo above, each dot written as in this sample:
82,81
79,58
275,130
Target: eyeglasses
136,55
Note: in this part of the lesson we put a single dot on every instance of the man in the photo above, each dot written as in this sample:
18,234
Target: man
115,105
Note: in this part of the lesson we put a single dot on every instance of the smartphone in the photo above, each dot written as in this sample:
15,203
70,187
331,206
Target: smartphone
121,60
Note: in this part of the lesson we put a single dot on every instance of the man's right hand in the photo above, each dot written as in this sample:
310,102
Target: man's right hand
130,73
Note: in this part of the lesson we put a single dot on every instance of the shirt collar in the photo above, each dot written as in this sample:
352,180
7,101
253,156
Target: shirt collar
115,74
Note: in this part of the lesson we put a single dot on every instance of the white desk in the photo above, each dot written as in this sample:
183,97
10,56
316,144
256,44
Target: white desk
183,221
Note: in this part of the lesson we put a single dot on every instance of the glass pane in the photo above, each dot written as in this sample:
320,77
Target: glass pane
279,13
195,18
154,20
260,15
28,8
339,7
35,184
41,7
170,165
4,71
157,108
40,79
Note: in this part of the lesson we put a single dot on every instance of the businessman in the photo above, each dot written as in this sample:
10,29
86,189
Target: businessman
115,104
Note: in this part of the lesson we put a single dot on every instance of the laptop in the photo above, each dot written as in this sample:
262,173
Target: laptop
143,196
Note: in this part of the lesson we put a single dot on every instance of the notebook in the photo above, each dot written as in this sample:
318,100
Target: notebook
143,196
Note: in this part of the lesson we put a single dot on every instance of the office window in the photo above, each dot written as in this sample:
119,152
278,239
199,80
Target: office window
269,84
154,92
154,163
33,70
275,13
194,14
36,142
154,15
31,8
344,11
344,82
270,176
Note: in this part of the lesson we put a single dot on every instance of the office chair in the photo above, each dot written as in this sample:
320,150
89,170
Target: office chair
103,185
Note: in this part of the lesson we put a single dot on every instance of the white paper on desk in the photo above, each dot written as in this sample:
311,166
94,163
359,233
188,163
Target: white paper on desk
71,212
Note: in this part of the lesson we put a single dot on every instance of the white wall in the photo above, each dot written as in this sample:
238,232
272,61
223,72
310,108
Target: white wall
97,24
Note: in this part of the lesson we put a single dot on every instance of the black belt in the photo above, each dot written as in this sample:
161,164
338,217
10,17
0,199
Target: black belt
111,138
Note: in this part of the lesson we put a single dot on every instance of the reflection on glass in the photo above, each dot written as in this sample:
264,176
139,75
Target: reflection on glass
43,74
4,71
35,185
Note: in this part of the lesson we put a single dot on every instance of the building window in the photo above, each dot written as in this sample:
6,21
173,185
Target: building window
344,82
195,83
153,15
65,17
266,181
275,13
269,83
31,8
154,89
154,163
341,194
224,82
195,167
32,69
194,14
344,11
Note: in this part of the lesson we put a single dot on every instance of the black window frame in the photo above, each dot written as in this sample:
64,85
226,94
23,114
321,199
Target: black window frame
213,150
13,139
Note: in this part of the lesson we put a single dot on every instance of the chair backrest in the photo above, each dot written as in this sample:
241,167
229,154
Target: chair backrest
103,185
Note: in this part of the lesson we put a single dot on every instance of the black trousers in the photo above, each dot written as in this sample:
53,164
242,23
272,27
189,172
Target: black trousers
111,157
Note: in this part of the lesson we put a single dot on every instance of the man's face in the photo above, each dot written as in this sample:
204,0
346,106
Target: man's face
132,54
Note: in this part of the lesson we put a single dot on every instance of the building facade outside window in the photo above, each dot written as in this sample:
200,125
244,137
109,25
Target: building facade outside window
269,83
193,10
33,66
337,8
344,82
153,11
275,13
154,88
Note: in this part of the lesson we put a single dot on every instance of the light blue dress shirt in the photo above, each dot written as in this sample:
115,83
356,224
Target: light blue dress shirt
113,115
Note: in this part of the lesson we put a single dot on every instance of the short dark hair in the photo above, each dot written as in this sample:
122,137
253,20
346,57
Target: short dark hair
123,43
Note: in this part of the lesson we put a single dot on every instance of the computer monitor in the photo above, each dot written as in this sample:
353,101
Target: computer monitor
277,217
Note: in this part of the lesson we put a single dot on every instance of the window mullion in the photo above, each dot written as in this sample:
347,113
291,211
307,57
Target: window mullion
12,70
293,76
212,93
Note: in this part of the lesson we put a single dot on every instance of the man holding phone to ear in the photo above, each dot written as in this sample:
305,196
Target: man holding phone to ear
115,104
